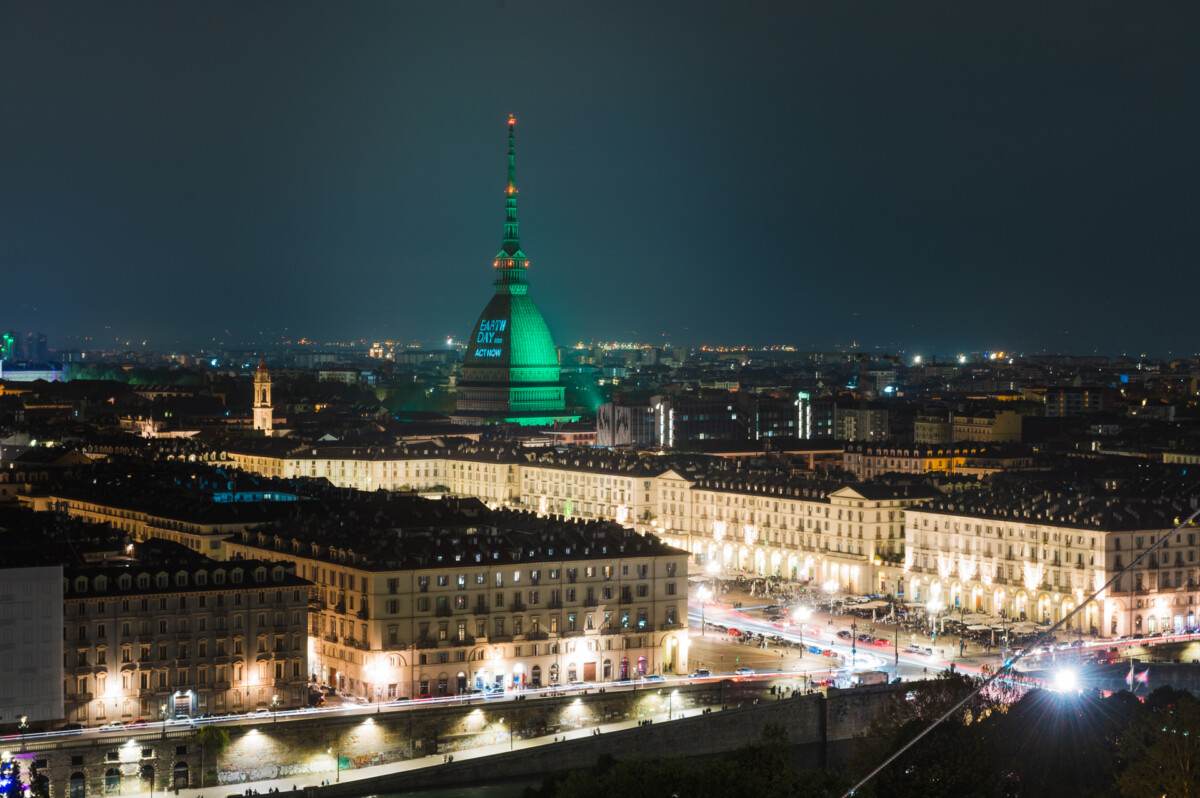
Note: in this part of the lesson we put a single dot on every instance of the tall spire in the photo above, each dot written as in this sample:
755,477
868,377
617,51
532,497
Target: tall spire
511,262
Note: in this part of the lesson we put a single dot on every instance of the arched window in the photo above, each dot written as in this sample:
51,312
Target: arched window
77,787
112,782
554,673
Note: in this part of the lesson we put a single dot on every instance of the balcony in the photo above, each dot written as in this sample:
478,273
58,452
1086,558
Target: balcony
518,606
424,643
332,638
501,639
81,697
572,633
443,612
633,630
465,640
590,602
361,645
537,634
222,685
364,614
482,609
555,604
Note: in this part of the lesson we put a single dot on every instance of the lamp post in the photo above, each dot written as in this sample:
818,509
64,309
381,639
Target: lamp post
162,711
830,588
704,594
275,708
935,606
23,725
801,615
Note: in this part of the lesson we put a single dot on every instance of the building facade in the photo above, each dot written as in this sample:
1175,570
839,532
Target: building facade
508,602
181,637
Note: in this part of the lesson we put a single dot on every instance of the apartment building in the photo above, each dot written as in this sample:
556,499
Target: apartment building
1033,555
803,529
439,598
154,630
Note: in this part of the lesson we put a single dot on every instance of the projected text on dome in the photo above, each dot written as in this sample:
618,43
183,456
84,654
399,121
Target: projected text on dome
491,333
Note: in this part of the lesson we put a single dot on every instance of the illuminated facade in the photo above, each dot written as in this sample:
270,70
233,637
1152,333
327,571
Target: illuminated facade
263,410
1038,562
516,601
183,637
853,535
511,371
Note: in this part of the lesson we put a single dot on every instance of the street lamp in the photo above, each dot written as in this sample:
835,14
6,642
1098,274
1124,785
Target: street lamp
935,606
162,711
275,708
830,587
801,615
704,594
23,725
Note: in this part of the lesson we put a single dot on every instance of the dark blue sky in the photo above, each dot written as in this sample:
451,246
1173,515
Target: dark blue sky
909,176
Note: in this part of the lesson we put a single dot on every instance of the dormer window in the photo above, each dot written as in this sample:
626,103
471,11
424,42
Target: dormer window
81,584
236,576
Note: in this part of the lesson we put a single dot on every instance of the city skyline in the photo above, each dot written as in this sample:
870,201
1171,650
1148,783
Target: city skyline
926,181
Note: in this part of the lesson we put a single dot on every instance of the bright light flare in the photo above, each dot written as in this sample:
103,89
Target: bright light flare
1066,681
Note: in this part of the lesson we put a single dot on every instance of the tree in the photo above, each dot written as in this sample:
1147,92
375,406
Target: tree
212,741
949,760
1162,752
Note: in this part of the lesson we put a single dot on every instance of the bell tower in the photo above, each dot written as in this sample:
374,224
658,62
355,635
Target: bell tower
263,412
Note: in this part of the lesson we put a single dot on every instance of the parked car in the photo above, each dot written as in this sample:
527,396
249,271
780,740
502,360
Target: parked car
744,671
115,725
842,633
655,678
701,673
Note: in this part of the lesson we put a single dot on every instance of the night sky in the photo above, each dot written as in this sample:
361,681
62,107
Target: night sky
918,177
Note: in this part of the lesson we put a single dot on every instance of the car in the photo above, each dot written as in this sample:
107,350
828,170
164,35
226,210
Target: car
744,671
734,632
654,678
576,685
701,673
843,634
115,725
139,722
866,639
180,719
262,711
72,727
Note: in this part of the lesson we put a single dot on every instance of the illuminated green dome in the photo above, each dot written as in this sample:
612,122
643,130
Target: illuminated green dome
511,343
511,367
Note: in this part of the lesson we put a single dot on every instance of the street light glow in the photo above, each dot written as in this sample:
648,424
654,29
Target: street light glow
1066,681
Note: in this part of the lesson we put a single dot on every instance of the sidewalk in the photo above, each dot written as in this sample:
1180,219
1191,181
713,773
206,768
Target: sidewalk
432,761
